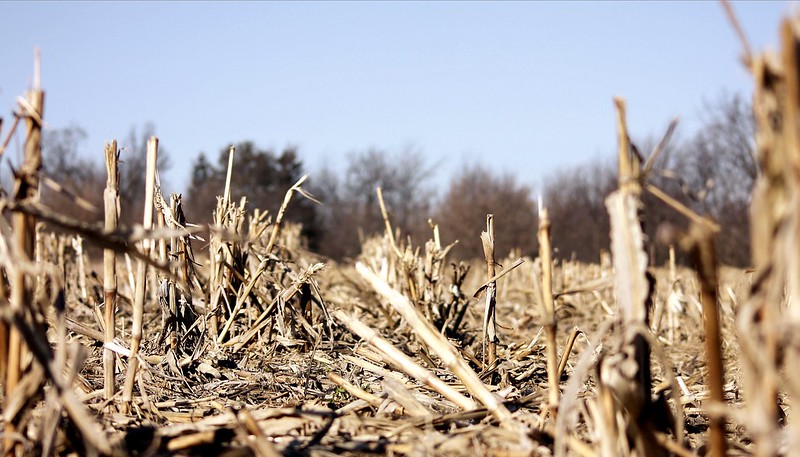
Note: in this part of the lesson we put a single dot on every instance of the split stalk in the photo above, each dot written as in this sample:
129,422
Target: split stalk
490,316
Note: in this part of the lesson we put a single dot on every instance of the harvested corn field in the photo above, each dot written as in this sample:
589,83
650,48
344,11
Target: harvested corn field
235,339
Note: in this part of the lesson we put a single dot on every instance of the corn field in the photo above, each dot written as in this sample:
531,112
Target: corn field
235,340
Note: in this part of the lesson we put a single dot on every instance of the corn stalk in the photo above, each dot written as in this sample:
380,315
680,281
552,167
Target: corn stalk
25,188
141,276
111,201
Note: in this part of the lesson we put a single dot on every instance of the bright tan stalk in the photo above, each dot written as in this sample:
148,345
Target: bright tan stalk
550,324
439,345
111,201
490,314
26,187
141,276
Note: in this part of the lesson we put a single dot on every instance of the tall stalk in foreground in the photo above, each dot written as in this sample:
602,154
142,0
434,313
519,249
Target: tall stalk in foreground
25,187
625,368
111,201
141,276
550,324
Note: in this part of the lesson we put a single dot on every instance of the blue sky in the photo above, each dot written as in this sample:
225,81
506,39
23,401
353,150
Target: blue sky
524,88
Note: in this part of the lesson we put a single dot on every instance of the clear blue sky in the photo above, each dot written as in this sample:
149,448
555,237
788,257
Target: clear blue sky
524,87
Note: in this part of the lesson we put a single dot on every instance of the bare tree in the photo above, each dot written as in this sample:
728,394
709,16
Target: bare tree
82,176
261,175
63,162
475,192
719,168
61,156
207,183
337,232
351,208
575,198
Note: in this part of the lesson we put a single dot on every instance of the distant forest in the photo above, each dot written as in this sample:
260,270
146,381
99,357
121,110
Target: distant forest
712,172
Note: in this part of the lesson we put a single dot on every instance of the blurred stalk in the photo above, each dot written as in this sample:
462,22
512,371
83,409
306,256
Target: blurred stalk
700,245
25,187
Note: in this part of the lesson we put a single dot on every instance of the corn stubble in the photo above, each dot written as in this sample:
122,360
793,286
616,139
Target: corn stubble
260,347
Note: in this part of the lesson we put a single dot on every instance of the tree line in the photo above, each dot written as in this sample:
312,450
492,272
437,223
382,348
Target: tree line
712,172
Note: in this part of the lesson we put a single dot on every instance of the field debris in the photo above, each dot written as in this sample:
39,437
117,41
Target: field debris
235,340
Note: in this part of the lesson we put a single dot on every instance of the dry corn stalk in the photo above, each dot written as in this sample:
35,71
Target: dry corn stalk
790,37
403,361
219,252
111,203
141,276
762,322
22,314
490,312
548,309
276,227
700,244
79,414
434,340
25,188
404,259
625,373
178,270
163,283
